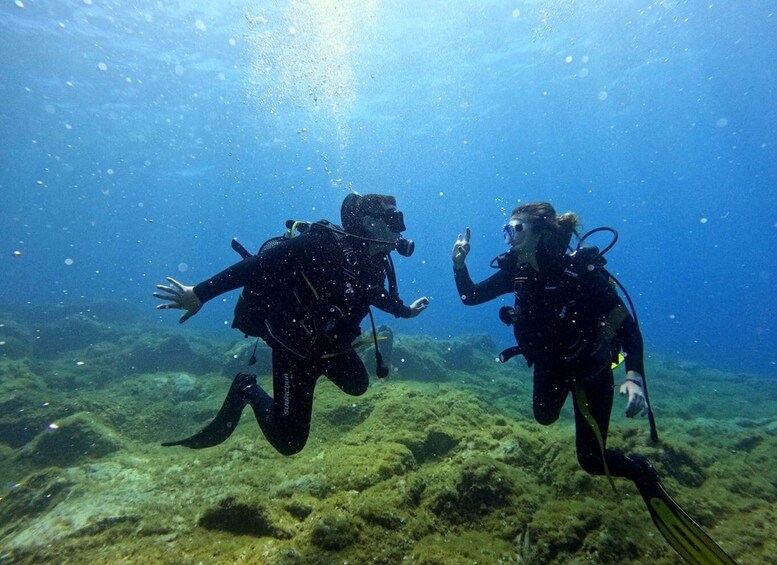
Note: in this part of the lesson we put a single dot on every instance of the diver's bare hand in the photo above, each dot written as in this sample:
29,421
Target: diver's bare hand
461,249
180,296
418,306
632,389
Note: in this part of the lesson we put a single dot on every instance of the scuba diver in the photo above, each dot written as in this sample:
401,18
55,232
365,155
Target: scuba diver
570,324
304,295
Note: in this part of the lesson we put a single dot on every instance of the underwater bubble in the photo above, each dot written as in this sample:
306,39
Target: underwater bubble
516,13
602,95
568,59
584,59
292,30
53,426
50,109
200,25
179,70
582,73
109,171
721,123
19,4
102,66
232,41
183,267
703,220
69,262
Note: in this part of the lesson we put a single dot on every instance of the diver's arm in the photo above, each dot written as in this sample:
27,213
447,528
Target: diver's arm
473,294
271,268
470,293
383,301
631,339
611,323
231,278
394,305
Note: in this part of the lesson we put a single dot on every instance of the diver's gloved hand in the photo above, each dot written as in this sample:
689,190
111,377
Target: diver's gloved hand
418,306
632,389
461,249
181,297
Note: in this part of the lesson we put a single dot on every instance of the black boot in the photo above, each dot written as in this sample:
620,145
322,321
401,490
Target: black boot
241,393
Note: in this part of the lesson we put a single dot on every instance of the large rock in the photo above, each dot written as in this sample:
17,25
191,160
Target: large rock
69,441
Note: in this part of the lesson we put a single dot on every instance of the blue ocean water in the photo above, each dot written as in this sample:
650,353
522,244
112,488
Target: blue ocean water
138,138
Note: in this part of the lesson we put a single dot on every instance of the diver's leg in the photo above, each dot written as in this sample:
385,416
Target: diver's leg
593,404
240,393
285,418
549,395
348,372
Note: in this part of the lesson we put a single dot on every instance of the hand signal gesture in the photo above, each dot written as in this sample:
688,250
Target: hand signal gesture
461,249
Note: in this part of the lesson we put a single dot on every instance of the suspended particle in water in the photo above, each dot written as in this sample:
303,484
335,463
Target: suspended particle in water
516,13
584,59
69,262
200,25
721,123
703,220
582,73
19,4
183,267
568,59
16,253
602,95
102,66
179,70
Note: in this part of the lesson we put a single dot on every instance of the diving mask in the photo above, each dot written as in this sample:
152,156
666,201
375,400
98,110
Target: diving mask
511,230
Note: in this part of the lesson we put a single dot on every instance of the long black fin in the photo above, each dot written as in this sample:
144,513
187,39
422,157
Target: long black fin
225,422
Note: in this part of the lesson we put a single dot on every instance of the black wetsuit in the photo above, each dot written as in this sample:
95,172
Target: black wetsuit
559,312
305,297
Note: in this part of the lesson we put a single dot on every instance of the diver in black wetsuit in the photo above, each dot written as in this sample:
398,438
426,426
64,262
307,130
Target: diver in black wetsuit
305,297
566,320
570,324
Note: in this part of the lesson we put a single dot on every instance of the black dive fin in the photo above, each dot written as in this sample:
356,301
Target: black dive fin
679,529
227,418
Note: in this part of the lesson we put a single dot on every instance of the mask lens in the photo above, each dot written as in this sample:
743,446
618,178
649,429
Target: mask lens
395,220
510,230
